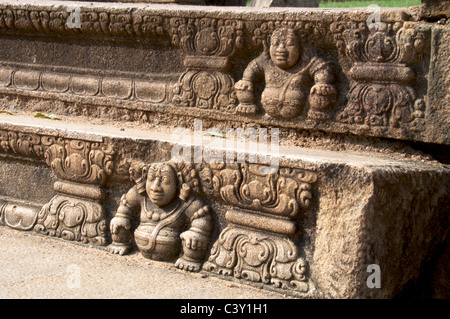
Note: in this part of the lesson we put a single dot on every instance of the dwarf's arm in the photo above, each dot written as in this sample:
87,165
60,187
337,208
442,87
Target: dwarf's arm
198,236
245,88
323,93
120,226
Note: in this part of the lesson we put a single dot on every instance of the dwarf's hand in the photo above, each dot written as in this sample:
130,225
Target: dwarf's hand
244,85
324,89
119,222
194,240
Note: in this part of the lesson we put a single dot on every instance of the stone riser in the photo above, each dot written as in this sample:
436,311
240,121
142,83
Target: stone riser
187,61
347,211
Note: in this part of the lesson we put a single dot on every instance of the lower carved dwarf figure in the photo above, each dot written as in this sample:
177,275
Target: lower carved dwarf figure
291,75
171,219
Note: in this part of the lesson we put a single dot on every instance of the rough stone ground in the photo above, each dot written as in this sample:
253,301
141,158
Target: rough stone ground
34,266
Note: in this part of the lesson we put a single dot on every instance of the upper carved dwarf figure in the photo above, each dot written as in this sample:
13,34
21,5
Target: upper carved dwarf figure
171,219
292,76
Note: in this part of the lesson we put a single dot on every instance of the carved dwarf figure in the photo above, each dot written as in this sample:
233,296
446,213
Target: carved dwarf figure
171,218
289,73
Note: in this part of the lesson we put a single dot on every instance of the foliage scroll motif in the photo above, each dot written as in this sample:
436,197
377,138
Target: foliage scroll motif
382,93
81,161
257,244
25,144
208,44
285,193
76,212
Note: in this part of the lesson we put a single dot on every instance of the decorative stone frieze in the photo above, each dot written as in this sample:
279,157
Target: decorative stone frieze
382,94
354,76
24,143
76,212
257,244
208,45
82,167
310,227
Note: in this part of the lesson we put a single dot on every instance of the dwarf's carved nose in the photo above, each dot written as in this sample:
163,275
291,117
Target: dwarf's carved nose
156,185
281,47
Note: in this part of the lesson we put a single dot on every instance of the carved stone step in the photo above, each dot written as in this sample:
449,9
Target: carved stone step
288,148
313,226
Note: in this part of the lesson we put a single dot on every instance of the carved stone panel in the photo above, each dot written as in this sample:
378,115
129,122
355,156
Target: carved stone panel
76,212
171,219
208,45
382,92
257,243
294,77
258,256
74,219
311,226
344,73
80,161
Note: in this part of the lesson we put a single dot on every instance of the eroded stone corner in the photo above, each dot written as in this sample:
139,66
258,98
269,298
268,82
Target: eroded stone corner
390,217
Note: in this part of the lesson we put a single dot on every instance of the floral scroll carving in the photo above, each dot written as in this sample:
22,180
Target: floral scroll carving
207,43
257,244
76,213
258,257
285,193
382,93
25,144
80,161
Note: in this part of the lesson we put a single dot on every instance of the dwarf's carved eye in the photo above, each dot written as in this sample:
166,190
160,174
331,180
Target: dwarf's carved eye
151,177
166,180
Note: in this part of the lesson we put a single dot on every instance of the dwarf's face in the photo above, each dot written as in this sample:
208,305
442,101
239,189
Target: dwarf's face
161,184
284,48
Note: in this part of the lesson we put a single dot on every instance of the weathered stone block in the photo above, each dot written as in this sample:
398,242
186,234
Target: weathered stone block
311,227
311,222
435,9
350,76
371,214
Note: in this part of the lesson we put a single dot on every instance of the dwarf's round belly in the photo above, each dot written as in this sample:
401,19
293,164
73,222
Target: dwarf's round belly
163,245
284,103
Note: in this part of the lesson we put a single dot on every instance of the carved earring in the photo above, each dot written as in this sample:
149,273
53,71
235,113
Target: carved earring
141,181
185,192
